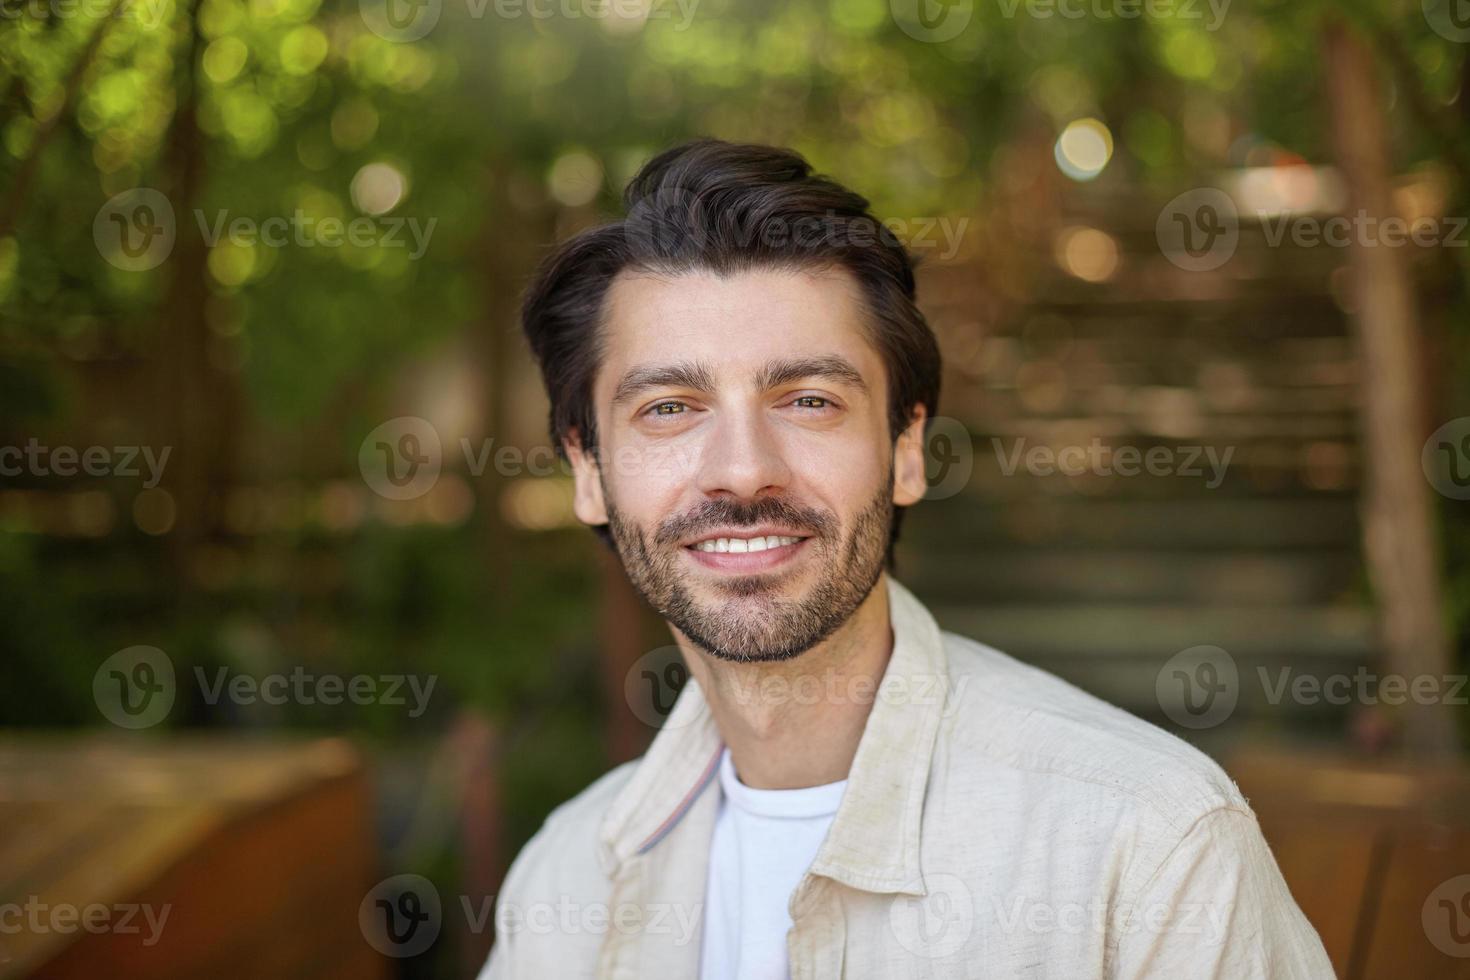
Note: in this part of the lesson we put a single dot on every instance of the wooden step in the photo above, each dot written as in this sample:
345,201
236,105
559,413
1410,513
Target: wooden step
968,523
1118,631
1067,574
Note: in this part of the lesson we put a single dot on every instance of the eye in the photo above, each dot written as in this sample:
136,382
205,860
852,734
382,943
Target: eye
812,401
667,408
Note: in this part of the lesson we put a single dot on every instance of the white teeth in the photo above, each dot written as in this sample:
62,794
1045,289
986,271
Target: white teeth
744,545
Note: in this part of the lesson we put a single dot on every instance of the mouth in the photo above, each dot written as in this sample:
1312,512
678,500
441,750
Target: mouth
746,551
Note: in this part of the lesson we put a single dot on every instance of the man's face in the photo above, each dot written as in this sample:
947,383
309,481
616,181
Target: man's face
745,465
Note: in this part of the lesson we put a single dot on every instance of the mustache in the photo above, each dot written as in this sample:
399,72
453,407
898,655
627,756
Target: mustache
725,513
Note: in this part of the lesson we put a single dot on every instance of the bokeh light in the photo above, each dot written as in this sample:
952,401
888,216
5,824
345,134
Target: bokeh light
575,179
1087,253
1084,148
378,188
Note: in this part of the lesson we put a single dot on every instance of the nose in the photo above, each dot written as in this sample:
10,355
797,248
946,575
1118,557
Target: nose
743,458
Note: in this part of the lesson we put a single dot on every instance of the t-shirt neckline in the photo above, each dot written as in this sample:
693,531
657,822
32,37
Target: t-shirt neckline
791,804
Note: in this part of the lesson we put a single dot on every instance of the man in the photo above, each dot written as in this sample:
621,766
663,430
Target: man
740,379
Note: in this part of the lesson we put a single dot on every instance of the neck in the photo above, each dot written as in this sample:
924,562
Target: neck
797,723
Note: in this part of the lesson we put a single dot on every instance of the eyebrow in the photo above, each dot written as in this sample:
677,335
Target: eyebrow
697,376
827,367
691,375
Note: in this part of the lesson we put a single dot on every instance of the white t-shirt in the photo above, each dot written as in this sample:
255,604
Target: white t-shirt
764,841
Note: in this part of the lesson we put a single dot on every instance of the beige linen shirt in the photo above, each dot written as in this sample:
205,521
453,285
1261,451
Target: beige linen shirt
997,822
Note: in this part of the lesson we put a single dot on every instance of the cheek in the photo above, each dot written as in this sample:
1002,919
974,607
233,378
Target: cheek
648,481
844,473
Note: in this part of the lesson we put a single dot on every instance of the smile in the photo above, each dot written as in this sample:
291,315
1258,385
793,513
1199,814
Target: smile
747,553
744,545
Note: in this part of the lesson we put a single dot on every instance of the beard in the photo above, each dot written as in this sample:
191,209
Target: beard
749,620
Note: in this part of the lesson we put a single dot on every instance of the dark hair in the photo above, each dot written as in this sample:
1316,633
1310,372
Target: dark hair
725,207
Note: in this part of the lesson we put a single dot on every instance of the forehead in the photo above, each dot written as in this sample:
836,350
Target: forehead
736,321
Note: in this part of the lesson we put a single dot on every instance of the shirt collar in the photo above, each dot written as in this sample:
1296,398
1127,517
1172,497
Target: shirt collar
873,844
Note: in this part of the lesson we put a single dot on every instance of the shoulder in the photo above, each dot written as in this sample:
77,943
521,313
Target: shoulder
1021,717
561,858
557,872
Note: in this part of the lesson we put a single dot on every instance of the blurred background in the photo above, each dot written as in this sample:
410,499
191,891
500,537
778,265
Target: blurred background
299,639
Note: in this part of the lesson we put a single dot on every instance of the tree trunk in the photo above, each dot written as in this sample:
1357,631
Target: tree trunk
193,399
1398,520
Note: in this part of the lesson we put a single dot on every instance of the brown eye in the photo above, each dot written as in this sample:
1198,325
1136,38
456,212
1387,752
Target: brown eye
812,401
668,408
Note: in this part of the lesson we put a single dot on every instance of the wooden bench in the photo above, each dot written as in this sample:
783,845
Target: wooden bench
1364,846
259,852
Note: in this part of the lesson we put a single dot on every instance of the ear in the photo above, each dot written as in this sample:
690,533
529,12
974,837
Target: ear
587,501
909,484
